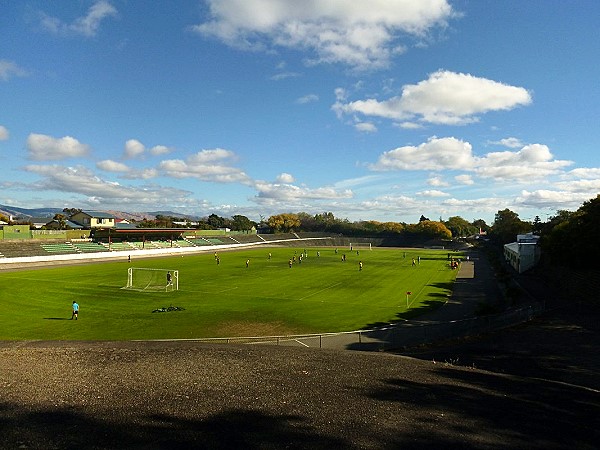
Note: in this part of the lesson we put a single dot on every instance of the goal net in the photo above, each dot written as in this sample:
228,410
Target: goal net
143,279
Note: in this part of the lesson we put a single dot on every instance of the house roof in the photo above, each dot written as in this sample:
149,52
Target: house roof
98,214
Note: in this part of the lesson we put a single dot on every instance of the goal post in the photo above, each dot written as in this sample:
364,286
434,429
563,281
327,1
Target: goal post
356,245
145,279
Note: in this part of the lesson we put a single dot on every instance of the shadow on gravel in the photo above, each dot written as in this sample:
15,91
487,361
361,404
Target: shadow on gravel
234,429
498,411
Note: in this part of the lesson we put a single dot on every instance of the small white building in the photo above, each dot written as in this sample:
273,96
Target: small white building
523,254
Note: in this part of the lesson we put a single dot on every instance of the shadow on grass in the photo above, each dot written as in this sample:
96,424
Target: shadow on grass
57,318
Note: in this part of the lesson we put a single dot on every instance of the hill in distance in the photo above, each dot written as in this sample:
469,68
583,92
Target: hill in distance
26,213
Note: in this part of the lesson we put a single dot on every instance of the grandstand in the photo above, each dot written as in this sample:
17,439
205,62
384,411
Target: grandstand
143,242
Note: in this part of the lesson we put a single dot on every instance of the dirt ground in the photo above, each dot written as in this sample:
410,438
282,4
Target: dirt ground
102,395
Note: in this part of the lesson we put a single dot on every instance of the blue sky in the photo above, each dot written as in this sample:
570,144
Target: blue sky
374,110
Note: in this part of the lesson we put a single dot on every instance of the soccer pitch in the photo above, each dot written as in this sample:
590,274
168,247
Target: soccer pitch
320,294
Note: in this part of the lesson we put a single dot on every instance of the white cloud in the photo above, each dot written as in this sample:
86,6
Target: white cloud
585,173
464,179
268,193
45,148
446,97
433,193
109,165
552,199
87,25
80,180
436,181
4,134
9,69
284,76
363,35
365,127
158,150
285,178
435,154
310,98
206,165
531,162
510,142
133,149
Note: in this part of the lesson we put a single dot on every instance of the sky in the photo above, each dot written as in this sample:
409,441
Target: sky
380,110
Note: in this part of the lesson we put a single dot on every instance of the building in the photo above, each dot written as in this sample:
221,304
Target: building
523,254
93,219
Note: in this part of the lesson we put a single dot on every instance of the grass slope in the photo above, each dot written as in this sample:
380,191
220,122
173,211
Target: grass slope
322,294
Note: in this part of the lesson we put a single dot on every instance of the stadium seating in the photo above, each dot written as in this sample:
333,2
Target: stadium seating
89,247
59,247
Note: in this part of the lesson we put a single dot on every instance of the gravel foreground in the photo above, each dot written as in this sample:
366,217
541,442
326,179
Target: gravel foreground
104,395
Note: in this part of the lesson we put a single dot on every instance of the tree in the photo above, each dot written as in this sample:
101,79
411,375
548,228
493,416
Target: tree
573,239
61,220
481,225
429,229
284,223
71,211
507,226
241,223
460,227
216,222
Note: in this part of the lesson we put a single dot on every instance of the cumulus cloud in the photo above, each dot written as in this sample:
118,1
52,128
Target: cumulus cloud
4,134
363,35
436,181
510,142
435,154
433,193
553,199
158,150
285,178
87,25
81,180
9,69
464,179
446,97
291,194
133,149
45,148
206,165
109,165
365,127
533,161
588,173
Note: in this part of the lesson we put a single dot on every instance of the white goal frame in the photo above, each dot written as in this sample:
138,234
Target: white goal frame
156,282
355,245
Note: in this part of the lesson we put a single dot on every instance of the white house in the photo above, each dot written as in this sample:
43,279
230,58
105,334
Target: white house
523,254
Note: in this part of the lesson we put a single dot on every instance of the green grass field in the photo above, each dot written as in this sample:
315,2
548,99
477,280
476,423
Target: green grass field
322,294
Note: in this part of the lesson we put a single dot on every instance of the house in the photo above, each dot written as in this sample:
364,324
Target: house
523,254
93,219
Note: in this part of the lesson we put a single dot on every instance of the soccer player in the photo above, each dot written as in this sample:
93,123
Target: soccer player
169,279
75,310
360,266
247,263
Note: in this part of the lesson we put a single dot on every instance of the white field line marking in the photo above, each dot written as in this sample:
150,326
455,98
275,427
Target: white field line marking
322,290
